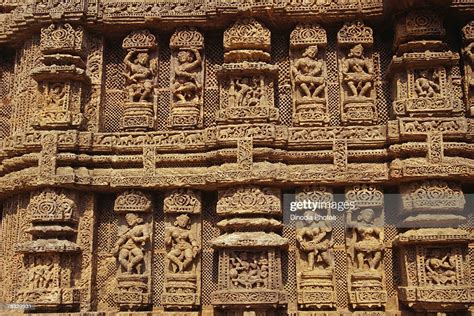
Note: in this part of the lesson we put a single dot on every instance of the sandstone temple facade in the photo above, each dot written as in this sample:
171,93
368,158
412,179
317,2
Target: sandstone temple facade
147,147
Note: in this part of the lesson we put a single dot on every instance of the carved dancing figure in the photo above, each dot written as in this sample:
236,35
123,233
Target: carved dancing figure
311,240
130,245
183,247
249,271
425,87
469,51
246,91
441,269
140,76
366,241
186,86
358,72
307,72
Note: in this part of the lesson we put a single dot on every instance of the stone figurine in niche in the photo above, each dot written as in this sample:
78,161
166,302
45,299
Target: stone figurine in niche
246,91
184,248
367,240
131,243
187,87
140,75
441,269
358,72
249,270
41,276
315,242
469,52
307,73
424,86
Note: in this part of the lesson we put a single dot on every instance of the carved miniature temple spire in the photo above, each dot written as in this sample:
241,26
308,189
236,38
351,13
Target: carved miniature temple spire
141,74
246,78
62,79
50,257
315,256
308,75
133,250
187,78
250,276
365,247
182,290
357,75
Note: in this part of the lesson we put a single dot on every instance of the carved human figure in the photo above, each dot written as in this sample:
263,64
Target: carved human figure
131,243
424,86
469,52
246,91
140,75
307,74
358,72
314,240
54,96
184,248
249,270
367,240
41,275
441,269
186,86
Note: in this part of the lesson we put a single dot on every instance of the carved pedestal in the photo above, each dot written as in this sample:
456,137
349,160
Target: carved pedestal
357,74
141,73
183,245
62,79
133,250
365,247
435,269
187,79
308,75
315,260
50,258
246,78
249,251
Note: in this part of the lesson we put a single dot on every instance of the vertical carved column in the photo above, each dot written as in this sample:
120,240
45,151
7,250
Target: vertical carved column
246,78
308,75
365,247
187,78
250,276
50,257
133,249
424,78
434,260
315,259
182,209
468,36
356,74
141,74
62,79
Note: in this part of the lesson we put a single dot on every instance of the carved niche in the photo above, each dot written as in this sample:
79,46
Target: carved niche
133,250
141,72
315,256
426,83
250,275
435,269
50,258
308,75
468,52
187,78
365,247
62,78
182,209
246,78
357,74
431,203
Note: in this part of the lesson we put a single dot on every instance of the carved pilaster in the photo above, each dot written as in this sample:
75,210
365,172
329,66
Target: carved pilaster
308,75
133,249
365,247
357,75
62,79
250,275
246,78
50,258
315,257
141,74
182,209
187,78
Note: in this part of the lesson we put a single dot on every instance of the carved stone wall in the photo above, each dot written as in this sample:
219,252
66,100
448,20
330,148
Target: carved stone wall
150,151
